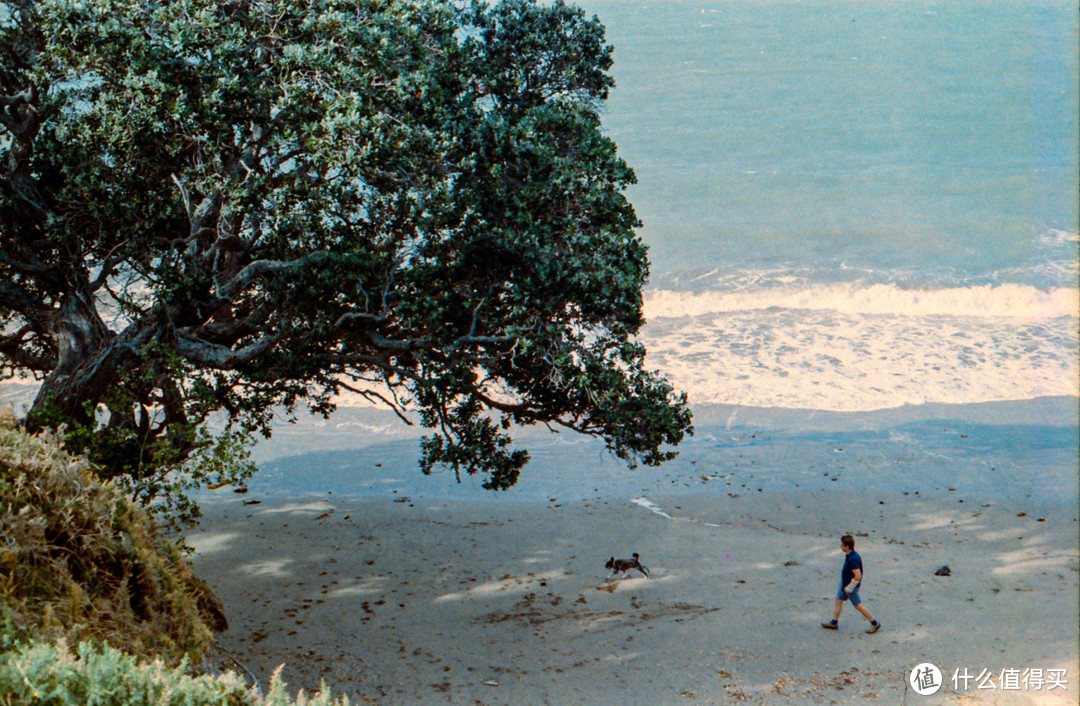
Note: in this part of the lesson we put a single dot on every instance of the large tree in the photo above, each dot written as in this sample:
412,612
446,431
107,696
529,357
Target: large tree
238,206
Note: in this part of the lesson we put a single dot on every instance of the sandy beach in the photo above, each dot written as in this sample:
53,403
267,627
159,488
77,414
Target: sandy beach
419,599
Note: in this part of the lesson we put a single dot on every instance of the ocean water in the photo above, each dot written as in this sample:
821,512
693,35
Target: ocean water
853,206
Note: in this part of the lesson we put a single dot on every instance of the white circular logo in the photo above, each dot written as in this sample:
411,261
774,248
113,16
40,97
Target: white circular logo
925,679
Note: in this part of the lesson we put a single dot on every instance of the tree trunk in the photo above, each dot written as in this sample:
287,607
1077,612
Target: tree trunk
87,362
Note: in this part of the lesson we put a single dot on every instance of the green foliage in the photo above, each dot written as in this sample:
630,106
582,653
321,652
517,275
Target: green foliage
98,675
164,483
80,561
159,472
234,207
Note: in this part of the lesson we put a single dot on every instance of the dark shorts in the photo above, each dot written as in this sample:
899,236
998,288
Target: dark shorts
853,596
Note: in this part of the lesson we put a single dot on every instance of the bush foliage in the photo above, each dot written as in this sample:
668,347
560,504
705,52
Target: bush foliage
79,561
81,565
47,675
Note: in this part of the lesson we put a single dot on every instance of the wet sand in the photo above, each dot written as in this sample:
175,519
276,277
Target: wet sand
421,600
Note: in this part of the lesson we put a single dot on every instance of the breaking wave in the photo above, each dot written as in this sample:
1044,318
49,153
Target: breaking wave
778,340
995,301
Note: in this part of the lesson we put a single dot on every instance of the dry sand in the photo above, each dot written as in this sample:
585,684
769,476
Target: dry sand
499,602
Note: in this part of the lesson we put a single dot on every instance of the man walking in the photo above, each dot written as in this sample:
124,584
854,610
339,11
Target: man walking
850,580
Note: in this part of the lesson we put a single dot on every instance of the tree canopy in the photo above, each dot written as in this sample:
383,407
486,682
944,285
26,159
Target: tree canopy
212,209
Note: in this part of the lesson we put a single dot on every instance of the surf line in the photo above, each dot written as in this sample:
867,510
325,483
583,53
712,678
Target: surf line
654,508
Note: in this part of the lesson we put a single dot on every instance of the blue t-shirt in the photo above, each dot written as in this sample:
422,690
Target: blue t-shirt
851,562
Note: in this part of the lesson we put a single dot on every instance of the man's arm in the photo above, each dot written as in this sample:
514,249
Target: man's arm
855,581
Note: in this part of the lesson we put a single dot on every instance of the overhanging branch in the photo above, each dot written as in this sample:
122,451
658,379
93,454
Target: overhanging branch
222,357
14,348
17,299
370,394
266,268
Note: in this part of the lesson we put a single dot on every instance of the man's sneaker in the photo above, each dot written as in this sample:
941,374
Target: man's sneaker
830,626
873,629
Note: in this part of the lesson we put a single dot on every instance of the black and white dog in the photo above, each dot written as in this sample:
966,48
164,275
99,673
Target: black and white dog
624,565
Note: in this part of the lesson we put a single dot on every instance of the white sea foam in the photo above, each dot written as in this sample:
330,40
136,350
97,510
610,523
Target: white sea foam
854,348
650,506
1054,237
1004,300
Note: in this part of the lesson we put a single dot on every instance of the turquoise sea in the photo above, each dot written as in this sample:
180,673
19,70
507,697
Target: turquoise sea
854,205
934,141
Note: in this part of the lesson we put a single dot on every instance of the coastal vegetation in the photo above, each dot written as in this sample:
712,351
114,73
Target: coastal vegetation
217,212
43,674
79,561
95,606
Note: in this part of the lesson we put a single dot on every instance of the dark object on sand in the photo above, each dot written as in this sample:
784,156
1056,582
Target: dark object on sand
624,565
943,571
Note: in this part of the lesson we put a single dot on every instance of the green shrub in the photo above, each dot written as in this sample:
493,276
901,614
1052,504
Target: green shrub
79,561
53,675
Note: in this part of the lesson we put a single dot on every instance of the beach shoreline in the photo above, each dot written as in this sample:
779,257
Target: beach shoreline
422,591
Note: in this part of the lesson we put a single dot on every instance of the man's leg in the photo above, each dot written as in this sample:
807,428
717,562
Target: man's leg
874,625
835,615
